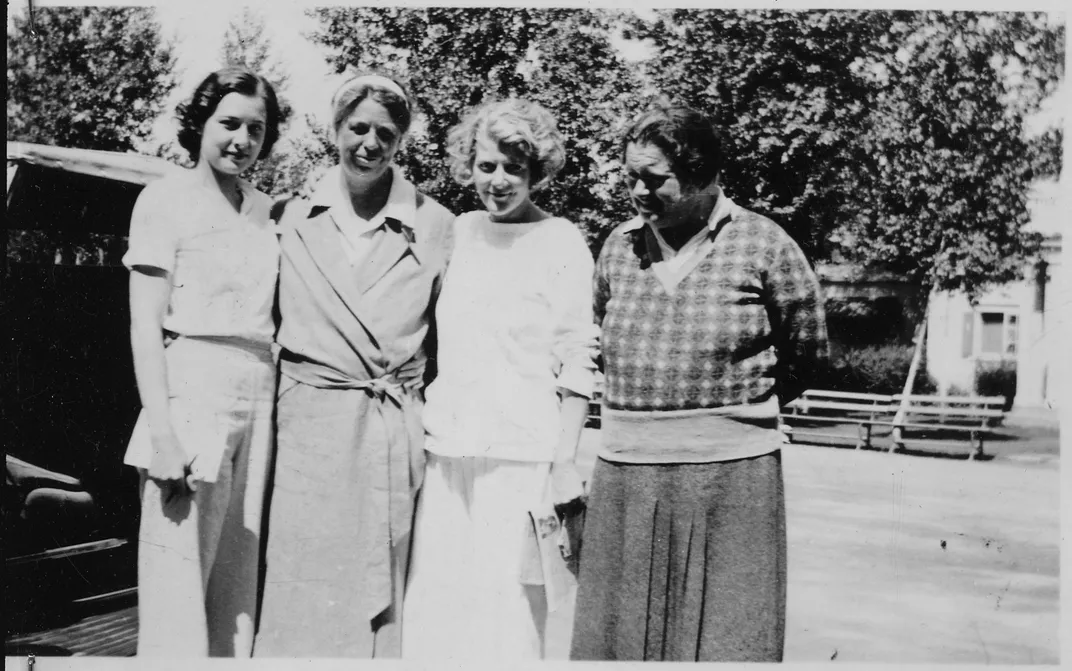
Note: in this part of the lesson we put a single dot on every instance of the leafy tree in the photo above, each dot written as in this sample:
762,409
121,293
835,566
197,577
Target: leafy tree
784,90
245,45
92,78
305,156
943,196
887,137
456,58
302,149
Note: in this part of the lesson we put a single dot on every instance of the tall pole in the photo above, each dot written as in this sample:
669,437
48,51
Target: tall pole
913,370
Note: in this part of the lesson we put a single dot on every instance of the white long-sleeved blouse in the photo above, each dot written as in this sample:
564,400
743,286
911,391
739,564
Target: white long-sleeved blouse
514,324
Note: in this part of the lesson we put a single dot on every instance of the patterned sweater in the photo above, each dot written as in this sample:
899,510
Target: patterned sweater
744,329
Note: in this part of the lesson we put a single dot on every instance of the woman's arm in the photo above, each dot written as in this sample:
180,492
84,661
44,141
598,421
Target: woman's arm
576,346
150,291
572,417
797,319
566,482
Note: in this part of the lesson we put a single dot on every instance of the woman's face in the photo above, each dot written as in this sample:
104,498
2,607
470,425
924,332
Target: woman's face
233,136
659,197
367,140
502,179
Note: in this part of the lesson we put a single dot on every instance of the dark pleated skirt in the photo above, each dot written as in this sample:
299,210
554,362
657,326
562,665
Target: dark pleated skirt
683,562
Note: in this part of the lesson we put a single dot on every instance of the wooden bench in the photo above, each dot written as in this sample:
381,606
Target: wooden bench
837,407
971,415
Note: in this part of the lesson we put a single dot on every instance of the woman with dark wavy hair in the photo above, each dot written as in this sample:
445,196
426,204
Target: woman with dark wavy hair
204,260
711,316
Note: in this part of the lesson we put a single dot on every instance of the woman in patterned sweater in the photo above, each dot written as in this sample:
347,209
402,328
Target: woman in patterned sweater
711,317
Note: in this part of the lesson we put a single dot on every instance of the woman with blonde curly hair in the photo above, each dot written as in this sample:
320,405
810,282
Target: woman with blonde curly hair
502,420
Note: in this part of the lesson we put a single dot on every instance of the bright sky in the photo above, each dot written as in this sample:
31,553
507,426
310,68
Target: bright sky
198,26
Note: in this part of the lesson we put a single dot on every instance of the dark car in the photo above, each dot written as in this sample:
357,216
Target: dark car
68,401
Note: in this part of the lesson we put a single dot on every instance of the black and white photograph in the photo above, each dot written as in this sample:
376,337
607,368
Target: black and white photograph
488,335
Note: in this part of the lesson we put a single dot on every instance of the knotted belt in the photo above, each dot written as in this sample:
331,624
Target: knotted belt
388,519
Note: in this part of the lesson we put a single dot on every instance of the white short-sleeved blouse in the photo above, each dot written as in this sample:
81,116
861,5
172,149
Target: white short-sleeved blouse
222,264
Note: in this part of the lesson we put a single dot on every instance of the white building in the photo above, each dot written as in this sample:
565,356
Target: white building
1016,325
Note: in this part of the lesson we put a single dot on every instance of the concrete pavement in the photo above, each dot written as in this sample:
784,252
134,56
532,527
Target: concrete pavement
900,559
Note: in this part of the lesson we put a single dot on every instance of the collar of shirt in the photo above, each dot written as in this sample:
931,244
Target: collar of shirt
671,266
724,207
248,196
401,203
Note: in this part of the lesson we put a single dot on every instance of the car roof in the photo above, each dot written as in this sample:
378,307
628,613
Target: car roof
131,168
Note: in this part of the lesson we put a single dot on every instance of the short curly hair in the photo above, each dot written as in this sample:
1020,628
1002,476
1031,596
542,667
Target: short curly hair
521,125
687,136
195,112
381,88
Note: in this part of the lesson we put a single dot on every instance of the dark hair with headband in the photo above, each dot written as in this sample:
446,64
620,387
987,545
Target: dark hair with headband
193,113
387,91
687,137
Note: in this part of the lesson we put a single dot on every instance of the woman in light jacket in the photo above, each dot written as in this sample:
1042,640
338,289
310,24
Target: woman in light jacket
362,262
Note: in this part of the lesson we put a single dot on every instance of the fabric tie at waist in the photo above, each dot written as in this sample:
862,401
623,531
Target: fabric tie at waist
386,515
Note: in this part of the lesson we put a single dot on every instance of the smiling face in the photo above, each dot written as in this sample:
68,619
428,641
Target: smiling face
660,198
502,179
233,136
367,140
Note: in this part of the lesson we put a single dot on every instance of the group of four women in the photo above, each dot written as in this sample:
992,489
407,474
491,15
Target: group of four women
287,430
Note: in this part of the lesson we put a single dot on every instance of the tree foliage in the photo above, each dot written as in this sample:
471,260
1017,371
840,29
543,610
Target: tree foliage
303,147
782,87
245,45
455,58
893,138
944,197
92,78
883,137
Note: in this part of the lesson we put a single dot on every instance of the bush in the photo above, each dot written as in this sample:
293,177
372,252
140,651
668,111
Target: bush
996,378
859,322
876,369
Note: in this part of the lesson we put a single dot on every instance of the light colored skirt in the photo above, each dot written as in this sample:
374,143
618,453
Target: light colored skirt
683,562
198,556
465,599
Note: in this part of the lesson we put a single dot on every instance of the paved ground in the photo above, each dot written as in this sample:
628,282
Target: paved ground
892,558
904,558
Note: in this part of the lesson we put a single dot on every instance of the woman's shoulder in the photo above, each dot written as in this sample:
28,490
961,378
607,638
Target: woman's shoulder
429,208
165,198
434,218
748,224
563,230
623,233
287,211
171,188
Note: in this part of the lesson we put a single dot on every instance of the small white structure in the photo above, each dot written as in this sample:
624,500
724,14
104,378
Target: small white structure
1015,325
